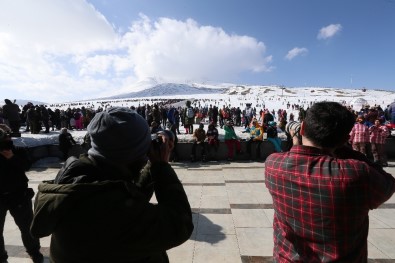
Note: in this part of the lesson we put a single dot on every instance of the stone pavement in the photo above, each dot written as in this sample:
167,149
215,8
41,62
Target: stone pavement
233,214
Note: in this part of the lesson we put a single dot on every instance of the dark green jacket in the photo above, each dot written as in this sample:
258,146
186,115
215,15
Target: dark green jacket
112,220
13,179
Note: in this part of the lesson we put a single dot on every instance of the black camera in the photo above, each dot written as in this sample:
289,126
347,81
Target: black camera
156,140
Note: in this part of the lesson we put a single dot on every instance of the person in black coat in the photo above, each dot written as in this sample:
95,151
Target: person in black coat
66,142
15,196
98,207
11,113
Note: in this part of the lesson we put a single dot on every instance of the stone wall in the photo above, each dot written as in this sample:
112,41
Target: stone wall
184,151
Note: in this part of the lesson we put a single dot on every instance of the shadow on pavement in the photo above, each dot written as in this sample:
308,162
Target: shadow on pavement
206,230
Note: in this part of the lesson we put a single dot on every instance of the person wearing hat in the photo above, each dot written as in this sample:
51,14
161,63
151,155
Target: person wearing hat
98,208
15,196
272,136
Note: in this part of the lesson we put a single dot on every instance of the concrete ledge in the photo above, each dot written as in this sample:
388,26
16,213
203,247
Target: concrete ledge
52,150
184,150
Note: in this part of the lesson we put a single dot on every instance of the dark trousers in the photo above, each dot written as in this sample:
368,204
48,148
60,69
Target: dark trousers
23,216
231,144
203,147
379,153
257,148
14,126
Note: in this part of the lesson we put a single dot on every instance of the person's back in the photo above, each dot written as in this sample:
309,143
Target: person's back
105,220
11,111
322,192
98,210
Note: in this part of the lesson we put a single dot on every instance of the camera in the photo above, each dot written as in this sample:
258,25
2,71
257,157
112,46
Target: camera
156,140
292,126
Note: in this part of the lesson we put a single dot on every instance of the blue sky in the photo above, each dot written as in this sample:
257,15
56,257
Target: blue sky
61,50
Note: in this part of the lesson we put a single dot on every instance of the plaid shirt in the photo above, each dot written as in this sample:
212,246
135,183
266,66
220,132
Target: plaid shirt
359,133
378,134
321,204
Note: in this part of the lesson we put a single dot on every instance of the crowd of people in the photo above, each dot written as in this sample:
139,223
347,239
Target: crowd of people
261,124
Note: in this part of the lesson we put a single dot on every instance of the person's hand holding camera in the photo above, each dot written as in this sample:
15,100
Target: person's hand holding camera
161,145
292,128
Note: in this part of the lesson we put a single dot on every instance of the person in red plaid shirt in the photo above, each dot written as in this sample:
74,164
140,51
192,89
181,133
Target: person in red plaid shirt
378,134
359,136
323,190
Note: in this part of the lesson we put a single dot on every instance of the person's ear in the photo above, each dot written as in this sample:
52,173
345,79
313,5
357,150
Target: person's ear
301,132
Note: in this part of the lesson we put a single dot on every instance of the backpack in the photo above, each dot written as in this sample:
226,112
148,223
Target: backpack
190,113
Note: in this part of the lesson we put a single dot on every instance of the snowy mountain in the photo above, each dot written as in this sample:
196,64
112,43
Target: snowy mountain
152,88
270,96
169,89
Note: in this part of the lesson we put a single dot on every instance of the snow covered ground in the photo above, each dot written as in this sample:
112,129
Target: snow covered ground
261,97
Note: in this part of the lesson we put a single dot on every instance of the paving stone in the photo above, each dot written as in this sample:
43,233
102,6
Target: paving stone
233,216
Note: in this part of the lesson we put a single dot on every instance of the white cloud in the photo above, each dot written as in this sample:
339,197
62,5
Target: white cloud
59,50
296,51
173,49
329,31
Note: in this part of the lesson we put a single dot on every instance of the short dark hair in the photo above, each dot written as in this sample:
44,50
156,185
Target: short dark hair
327,124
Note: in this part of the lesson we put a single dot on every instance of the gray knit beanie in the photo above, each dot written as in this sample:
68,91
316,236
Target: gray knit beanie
119,135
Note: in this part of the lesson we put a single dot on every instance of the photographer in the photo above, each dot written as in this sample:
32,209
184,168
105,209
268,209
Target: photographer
323,191
98,207
15,196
